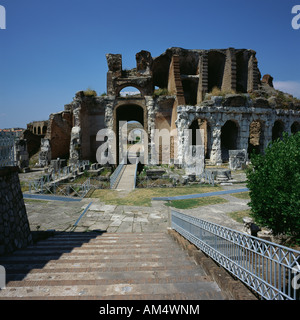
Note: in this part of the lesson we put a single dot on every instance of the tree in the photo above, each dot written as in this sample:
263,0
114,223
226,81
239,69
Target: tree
274,184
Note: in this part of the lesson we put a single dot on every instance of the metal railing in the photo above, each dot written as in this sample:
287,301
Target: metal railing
271,270
114,178
135,172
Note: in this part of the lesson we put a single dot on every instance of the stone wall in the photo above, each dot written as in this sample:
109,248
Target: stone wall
192,79
14,226
59,134
242,112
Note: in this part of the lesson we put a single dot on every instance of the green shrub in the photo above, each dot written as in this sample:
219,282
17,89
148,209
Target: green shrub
274,183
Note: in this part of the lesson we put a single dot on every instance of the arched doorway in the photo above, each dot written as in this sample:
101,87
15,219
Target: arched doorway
229,138
295,127
201,124
277,130
256,137
129,113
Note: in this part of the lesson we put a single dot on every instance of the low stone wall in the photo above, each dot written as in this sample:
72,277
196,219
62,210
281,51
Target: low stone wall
14,226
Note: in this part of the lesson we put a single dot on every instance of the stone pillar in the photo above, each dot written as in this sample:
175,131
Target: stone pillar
216,153
114,62
253,74
14,226
45,153
229,78
174,82
21,154
203,78
244,134
75,145
267,134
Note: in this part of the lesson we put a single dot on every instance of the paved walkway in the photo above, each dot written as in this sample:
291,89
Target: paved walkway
91,214
127,179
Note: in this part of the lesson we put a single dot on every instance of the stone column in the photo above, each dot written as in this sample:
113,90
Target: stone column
229,78
244,134
267,133
203,77
216,153
45,153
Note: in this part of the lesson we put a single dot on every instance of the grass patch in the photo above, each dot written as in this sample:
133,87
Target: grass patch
239,215
142,197
242,195
35,200
195,203
24,186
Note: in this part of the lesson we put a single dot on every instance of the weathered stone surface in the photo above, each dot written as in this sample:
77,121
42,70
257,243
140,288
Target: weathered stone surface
268,79
15,232
189,76
45,153
237,159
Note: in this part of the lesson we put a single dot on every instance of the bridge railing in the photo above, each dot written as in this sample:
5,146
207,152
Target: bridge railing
271,270
114,178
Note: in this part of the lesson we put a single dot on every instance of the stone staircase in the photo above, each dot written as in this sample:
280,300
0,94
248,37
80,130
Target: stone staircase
107,266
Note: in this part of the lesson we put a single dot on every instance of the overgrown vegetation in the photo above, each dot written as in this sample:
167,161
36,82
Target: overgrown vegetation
90,92
161,92
274,183
218,92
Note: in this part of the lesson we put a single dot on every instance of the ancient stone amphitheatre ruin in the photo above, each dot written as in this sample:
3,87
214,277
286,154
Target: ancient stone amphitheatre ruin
219,91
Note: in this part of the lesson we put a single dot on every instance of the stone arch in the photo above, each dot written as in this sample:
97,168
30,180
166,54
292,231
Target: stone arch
39,130
201,123
129,85
256,137
277,130
229,138
216,67
129,112
295,127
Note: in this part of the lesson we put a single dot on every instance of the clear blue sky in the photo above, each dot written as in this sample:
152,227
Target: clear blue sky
53,48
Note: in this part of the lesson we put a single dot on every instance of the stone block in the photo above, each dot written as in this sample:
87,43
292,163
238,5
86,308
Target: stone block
237,159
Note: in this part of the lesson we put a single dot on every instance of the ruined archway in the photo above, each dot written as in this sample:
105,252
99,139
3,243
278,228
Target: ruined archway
201,124
128,113
129,91
229,138
295,127
256,137
277,130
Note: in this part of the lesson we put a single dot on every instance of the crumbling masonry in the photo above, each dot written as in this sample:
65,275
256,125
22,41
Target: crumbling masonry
219,91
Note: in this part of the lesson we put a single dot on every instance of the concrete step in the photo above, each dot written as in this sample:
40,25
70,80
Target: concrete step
107,266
